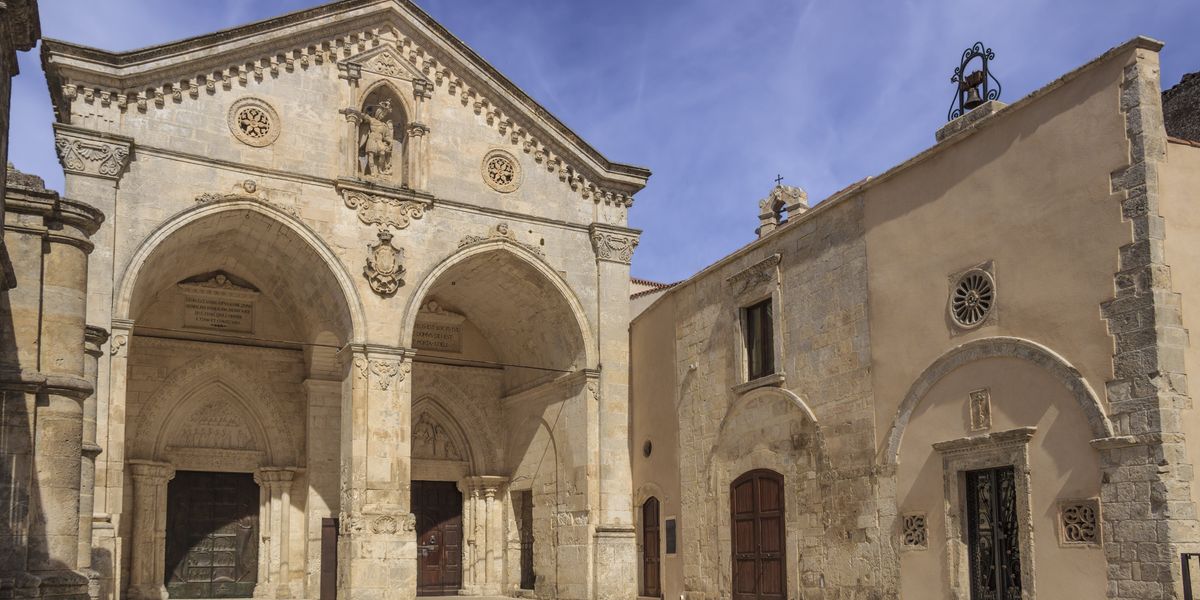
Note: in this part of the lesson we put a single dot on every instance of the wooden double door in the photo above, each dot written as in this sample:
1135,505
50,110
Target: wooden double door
759,536
437,505
212,535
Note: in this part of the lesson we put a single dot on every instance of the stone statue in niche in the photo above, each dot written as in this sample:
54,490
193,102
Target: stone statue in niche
380,134
430,440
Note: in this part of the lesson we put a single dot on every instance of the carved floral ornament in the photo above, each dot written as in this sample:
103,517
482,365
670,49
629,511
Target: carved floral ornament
402,53
501,171
499,231
383,371
254,122
376,209
383,270
246,190
90,156
613,246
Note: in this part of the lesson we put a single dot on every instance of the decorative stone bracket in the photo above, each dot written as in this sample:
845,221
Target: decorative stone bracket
614,244
384,206
92,153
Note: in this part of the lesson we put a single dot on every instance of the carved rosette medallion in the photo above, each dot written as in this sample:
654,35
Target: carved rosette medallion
501,171
384,271
613,246
86,155
254,122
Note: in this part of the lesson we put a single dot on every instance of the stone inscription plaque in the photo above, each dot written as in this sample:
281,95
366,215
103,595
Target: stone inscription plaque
439,337
218,311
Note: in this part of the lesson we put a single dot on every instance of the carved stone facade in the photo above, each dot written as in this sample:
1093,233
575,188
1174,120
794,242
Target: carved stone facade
351,257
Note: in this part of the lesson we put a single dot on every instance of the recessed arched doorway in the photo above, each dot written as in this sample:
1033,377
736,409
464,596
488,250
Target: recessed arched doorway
756,501
501,384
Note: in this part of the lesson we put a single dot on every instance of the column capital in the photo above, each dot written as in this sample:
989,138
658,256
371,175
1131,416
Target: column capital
487,484
274,475
92,153
151,471
93,338
614,244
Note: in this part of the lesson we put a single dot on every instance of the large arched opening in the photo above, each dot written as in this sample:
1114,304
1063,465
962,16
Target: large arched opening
502,386
231,316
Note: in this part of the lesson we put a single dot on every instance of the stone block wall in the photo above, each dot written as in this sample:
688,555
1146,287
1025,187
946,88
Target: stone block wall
1181,108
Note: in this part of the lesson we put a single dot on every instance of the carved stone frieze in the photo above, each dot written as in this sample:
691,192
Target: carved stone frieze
501,231
91,153
391,524
117,347
762,272
246,190
384,270
614,245
386,371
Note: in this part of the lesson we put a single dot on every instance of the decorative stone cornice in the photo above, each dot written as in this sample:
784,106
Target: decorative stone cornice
614,244
93,153
339,34
762,272
1012,437
382,205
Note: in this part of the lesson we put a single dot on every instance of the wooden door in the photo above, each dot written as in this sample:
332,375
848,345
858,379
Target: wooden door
756,503
651,570
329,542
437,506
212,535
525,499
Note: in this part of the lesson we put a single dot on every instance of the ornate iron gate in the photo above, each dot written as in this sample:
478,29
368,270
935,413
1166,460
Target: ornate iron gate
992,534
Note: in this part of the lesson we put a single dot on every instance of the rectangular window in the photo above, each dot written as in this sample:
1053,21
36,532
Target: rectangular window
670,529
760,340
992,534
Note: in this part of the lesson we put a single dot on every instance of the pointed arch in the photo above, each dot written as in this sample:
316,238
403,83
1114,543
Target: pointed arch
175,396
429,406
384,83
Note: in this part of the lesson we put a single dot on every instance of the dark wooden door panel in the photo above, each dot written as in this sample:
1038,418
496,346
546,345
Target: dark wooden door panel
651,577
212,535
756,503
437,506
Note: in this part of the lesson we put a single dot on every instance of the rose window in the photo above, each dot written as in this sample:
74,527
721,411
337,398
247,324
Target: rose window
501,171
972,299
253,122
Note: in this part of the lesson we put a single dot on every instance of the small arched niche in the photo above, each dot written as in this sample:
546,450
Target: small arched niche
382,142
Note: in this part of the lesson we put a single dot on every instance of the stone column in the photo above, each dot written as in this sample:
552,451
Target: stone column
418,166
274,524
377,549
94,338
110,465
147,569
615,554
93,163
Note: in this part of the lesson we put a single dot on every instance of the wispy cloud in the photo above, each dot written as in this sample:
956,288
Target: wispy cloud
716,97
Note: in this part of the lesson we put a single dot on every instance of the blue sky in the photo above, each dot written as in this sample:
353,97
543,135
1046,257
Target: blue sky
715,97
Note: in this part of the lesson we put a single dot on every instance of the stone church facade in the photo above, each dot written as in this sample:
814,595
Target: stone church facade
330,308
964,378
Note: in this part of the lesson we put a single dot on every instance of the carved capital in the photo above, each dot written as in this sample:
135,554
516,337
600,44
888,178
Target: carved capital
350,71
384,270
151,472
417,129
387,371
93,153
614,245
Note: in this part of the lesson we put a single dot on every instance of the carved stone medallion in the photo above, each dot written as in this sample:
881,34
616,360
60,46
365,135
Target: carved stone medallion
254,122
384,271
501,171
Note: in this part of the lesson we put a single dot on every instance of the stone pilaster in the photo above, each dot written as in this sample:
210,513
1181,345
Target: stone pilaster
1149,517
94,338
615,550
149,542
377,550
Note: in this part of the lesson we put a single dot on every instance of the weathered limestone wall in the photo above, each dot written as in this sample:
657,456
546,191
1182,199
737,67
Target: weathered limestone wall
819,289
1181,108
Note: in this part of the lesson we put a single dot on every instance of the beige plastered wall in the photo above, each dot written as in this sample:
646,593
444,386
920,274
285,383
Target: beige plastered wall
1180,192
653,400
1027,191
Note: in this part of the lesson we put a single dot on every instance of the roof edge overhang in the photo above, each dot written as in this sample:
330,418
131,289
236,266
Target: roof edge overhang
192,57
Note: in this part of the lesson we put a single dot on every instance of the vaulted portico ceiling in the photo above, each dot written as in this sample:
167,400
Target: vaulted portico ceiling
334,36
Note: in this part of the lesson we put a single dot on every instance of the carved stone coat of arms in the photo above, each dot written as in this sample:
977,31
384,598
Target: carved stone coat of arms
384,270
